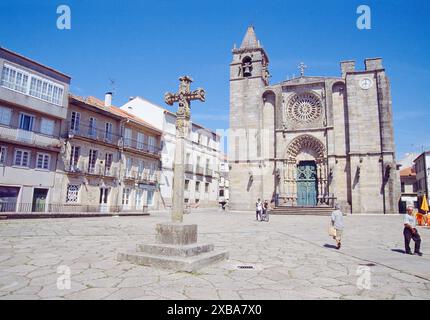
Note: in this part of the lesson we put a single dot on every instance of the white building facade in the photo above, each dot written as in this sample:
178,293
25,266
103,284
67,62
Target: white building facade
422,169
224,181
33,109
202,155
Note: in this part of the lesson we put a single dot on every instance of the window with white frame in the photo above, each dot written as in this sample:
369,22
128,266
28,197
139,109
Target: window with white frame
128,167
108,163
140,141
47,126
139,198
35,86
5,115
75,121
141,167
108,131
74,157
126,196
43,161
92,129
150,198
151,168
151,143
207,187
92,161
72,193
15,79
3,153
26,122
22,158
127,137
46,90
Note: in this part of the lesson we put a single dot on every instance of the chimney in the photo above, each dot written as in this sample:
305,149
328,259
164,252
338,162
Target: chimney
373,64
347,66
108,99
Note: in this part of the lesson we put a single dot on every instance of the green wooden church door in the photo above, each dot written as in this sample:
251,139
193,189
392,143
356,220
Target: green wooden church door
307,183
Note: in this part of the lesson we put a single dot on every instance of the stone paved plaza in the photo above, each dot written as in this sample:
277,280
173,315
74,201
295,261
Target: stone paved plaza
292,256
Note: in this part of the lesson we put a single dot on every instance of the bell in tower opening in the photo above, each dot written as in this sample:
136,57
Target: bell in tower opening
247,67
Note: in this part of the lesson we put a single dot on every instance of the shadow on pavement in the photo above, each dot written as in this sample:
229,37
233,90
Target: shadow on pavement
330,246
398,250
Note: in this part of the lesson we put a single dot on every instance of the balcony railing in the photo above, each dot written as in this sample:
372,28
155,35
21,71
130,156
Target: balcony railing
89,132
23,208
34,138
140,146
130,174
145,176
189,168
98,170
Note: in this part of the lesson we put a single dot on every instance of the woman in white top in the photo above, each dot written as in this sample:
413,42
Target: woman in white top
410,232
337,223
258,208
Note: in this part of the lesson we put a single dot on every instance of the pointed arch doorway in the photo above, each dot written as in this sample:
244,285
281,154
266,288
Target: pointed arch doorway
304,172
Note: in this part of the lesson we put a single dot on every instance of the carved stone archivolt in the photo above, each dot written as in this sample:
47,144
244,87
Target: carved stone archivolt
308,148
306,143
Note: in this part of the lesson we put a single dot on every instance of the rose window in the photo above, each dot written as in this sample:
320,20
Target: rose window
304,108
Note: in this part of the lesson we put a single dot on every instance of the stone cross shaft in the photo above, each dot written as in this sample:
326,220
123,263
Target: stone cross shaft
184,96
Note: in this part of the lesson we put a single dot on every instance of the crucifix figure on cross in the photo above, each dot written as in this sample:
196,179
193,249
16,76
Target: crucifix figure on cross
184,96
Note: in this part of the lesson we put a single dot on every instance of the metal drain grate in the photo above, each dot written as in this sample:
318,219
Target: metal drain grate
245,267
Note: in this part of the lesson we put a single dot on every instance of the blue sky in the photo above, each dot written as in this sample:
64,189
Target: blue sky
146,45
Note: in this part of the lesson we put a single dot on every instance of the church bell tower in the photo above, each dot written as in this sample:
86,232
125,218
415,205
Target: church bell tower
249,77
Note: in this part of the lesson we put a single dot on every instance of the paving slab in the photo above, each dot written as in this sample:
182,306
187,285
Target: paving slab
291,257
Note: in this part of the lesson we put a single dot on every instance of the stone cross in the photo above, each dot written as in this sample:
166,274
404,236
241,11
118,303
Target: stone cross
184,96
302,68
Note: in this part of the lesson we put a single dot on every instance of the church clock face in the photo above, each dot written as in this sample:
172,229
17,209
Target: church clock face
366,83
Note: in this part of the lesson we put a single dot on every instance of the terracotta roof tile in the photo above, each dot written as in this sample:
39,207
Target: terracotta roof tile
96,102
408,172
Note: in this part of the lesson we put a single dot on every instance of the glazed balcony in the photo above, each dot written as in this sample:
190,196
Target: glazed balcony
29,138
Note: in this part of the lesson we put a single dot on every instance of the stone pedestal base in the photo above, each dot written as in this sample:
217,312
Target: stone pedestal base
176,249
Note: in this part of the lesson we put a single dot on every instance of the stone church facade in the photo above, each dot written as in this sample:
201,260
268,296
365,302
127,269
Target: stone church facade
311,141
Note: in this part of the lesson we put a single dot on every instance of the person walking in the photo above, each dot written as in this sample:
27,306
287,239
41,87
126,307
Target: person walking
258,208
410,232
266,211
337,223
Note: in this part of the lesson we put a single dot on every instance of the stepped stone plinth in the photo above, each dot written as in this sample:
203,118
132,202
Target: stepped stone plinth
176,248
